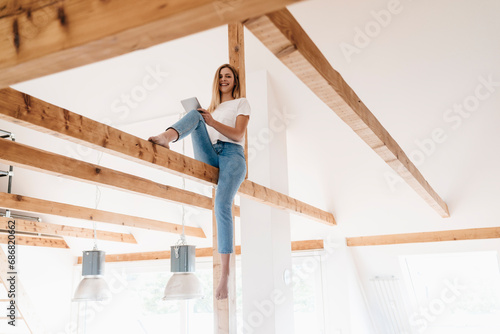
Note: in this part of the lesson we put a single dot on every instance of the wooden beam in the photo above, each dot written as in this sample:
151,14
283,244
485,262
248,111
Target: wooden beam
297,246
20,155
17,154
438,236
42,37
30,204
281,201
34,241
285,38
36,114
65,230
225,309
236,41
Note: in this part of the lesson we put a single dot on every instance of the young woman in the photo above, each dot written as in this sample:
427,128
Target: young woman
218,135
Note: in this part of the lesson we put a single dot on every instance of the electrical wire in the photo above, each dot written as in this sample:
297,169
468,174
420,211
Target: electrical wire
97,201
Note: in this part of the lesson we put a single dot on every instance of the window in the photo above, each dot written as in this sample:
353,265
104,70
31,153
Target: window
308,294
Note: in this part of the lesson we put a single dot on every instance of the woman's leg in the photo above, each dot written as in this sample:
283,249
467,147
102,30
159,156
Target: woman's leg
222,291
192,123
232,170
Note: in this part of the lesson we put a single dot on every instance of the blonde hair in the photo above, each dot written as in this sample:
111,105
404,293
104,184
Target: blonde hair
215,87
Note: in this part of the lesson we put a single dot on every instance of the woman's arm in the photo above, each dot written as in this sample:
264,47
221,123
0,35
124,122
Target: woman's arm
235,133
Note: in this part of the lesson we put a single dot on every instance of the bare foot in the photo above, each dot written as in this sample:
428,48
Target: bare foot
162,140
221,292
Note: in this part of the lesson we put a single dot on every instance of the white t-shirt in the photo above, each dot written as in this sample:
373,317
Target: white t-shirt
226,114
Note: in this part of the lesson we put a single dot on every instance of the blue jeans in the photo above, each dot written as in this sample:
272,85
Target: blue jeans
230,159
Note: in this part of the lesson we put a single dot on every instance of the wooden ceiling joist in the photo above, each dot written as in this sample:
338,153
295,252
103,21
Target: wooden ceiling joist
40,206
43,37
438,236
297,246
285,38
29,226
28,111
26,240
20,155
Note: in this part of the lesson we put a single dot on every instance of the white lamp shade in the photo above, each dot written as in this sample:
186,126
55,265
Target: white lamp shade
92,288
183,286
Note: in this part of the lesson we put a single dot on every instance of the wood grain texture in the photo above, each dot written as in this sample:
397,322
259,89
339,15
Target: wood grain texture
65,230
41,37
236,41
278,200
35,205
225,309
285,38
25,240
438,236
20,155
42,116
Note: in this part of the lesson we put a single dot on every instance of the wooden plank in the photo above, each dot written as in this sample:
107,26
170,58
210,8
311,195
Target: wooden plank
236,41
34,241
20,155
297,246
285,38
65,230
41,37
438,236
35,205
36,114
278,200
224,309
39,115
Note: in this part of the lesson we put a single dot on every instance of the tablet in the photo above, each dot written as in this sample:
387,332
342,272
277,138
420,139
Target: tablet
190,104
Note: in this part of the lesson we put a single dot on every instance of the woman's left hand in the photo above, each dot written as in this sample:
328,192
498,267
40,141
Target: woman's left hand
209,120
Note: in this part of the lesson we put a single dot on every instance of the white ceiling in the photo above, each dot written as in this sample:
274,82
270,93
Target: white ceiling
426,60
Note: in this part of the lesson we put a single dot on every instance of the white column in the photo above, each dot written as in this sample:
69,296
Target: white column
265,231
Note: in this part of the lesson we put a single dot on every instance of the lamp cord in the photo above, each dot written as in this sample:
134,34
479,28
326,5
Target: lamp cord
97,201
182,241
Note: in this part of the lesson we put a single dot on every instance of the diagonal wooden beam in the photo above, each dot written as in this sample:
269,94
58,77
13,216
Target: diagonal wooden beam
438,236
285,38
20,155
36,114
65,230
297,246
26,240
41,37
35,205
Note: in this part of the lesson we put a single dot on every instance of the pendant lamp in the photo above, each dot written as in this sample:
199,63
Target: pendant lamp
183,284
93,286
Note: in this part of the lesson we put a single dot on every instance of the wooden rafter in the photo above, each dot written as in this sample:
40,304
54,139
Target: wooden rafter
26,240
30,204
438,236
20,155
42,37
297,246
29,226
285,38
28,111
